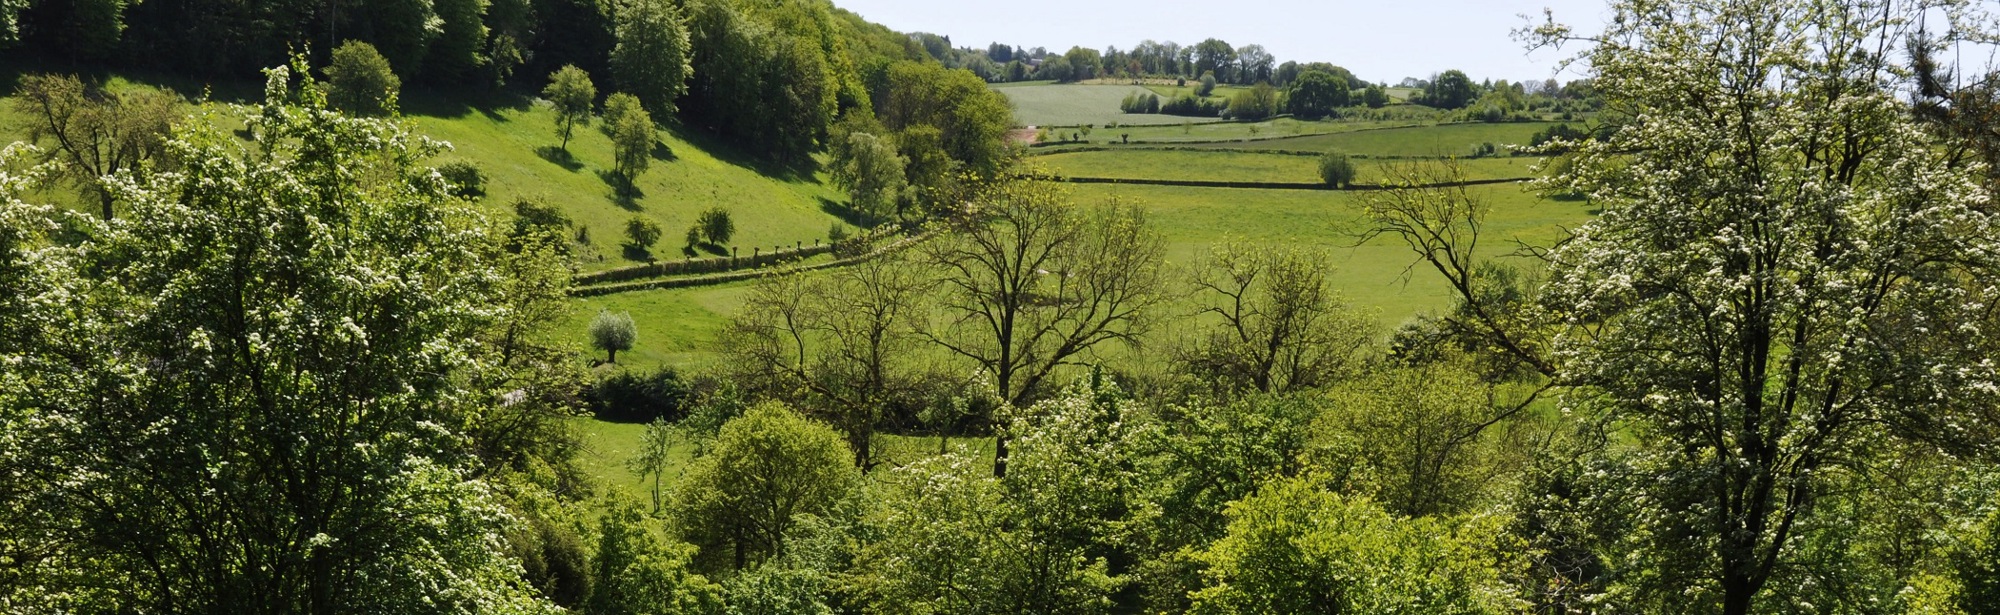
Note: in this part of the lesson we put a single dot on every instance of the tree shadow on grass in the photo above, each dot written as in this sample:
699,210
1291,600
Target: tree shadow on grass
850,215
734,152
623,192
559,157
636,253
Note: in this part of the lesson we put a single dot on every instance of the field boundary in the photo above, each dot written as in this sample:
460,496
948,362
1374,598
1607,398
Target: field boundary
1196,183
742,274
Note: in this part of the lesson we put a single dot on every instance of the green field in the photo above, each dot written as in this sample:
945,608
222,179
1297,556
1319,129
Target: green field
1440,140
1202,129
1077,105
1371,274
769,206
1238,166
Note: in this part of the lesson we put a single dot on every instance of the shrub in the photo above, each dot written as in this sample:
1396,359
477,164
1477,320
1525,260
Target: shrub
467,181
360,81
1207,85
1336,170
631,397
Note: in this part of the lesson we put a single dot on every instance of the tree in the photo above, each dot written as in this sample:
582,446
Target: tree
873,174
638,575
1421,435
573,96
716,225
360,81
1084,63
1256,103
1281,329
1295,548
1214,57
1030,281
1254,64
1375,96
1336,169
612,332
641,233
81,29
956,539
766,469
1450,90
1316,94
652,58
457,54
656,447
98,134
970,118
1056,68
1761,307
632,135
1207,84
839,345
291,330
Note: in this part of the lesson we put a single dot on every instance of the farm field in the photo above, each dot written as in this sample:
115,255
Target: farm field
1076,105
1425,141
1244,166
1203,129
682,327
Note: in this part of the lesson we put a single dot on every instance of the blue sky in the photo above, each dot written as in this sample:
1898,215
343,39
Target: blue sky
1380,40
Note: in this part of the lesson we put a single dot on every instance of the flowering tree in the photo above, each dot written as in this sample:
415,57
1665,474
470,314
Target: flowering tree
1783,274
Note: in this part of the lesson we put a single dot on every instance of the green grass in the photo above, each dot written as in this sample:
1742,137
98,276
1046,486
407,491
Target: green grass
1371,274
1440,140
770,206
1204,129
1237,166
1076,105
678,327
609,447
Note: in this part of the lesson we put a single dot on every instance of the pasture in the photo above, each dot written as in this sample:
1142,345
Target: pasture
515,147
1244,166
1425,141
1077,105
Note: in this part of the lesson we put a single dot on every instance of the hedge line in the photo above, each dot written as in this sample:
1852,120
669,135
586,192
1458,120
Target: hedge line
1194,183
737,276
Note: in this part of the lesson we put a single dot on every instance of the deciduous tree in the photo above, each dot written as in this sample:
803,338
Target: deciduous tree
1031,281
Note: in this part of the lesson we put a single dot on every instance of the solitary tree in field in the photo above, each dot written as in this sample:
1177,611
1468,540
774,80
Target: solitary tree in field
96,133
716,225
641,233
360,81
632,134
573,95
612,332
1336,169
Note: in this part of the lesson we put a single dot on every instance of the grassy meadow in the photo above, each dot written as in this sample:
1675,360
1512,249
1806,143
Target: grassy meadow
515,146
1426,141
1077,105
1244,166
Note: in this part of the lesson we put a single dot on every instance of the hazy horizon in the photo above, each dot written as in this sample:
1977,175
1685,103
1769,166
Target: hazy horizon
1378,41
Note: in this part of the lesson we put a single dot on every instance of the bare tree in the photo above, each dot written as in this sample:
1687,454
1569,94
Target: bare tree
1279,327
1030,281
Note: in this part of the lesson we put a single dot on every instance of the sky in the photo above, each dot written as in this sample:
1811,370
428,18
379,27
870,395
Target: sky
1380,40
